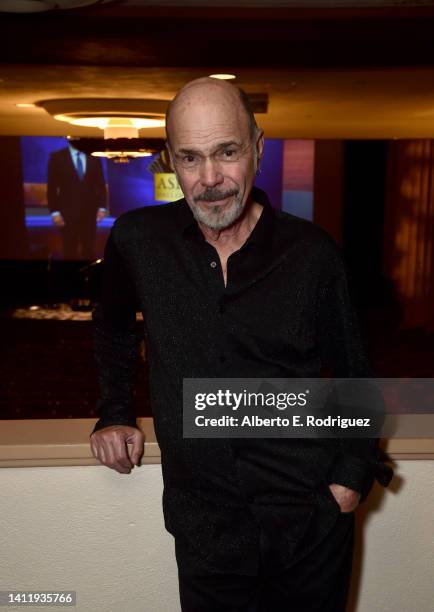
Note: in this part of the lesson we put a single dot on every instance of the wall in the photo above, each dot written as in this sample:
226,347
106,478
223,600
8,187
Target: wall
329,186
101,533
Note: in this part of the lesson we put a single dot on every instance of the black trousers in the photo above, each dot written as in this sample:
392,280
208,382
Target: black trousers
318,582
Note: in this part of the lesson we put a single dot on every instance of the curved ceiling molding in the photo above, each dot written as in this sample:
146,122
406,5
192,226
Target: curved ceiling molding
282,3
119,118
39,6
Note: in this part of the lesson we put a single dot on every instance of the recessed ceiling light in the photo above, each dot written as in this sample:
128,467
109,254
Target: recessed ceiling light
122,156
223,76
115,127
25,105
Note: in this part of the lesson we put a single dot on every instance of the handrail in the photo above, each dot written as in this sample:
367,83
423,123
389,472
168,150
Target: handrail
61,442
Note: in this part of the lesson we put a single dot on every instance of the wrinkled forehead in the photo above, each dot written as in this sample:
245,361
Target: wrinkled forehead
204,116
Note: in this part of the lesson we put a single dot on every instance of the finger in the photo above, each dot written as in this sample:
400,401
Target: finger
136,450
102,454
111,460
119,455
107,457
94,448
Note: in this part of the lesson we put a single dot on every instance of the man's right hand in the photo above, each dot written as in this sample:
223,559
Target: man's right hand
110,446
58,219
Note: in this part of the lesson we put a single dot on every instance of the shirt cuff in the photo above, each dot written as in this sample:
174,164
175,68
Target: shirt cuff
55,212
359,474
114,413
101,423
102,208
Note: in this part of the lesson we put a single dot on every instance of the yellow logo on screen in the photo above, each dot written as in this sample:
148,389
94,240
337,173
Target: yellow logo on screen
166,187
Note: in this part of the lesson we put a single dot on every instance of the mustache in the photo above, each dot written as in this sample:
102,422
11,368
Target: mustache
213,195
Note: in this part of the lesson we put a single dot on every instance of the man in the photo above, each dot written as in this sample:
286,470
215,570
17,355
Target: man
76,196
229,287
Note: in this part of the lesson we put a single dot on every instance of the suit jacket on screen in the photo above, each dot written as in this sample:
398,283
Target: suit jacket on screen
74,198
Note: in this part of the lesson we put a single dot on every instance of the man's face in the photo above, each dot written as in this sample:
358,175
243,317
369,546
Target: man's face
214,156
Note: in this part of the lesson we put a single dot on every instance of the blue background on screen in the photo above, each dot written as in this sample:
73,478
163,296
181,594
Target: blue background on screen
132,185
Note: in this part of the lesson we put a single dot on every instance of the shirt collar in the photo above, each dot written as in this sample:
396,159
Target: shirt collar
260,234
74,151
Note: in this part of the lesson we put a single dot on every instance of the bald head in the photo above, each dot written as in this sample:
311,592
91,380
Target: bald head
210,92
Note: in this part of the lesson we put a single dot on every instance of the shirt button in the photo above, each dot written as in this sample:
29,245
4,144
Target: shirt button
213,264
222,358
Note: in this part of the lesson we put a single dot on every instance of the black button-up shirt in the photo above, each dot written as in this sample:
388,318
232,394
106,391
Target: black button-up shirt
285,312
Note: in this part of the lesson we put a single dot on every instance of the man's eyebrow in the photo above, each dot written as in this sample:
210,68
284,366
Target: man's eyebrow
225,145
222,145
188,151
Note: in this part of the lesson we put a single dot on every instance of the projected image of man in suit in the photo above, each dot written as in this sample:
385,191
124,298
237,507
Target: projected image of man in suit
77,197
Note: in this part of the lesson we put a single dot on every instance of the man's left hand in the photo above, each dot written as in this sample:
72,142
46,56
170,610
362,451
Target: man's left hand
101,214
348,499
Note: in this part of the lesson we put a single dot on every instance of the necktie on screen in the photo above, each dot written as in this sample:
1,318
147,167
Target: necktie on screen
80,168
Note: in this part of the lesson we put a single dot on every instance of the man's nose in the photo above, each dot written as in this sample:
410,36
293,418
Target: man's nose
210,174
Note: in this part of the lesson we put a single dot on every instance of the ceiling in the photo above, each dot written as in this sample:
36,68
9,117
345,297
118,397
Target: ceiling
370,76
302,104
289,3
238,3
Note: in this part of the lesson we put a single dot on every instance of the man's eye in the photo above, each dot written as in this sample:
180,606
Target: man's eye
228,154
188,159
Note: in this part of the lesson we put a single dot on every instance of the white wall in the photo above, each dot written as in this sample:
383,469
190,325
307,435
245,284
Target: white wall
101,534
91,530
394,562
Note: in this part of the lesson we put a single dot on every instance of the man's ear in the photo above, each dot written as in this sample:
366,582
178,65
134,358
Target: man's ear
172,164
259,148
169,151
